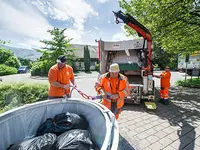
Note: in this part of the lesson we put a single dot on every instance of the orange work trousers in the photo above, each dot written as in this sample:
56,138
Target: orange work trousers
164,93
113,107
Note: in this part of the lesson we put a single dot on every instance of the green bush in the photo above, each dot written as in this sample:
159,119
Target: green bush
25,62
15,95
12,61
6,70
7,57
41,68
194,83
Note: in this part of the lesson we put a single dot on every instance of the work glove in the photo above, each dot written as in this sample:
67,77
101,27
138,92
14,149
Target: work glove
114,96
103,94
66,86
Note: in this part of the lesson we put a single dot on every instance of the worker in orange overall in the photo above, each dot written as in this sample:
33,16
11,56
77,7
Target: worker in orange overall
113,87
60,75
165,85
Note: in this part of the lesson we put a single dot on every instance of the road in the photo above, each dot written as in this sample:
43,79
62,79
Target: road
85,82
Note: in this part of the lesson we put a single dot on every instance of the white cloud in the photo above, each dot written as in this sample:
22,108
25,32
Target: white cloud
63,10
102,1
66,10
120,36
109,21
23,22
26,26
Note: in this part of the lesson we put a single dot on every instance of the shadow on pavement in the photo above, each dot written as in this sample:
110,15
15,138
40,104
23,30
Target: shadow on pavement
124,144
183,112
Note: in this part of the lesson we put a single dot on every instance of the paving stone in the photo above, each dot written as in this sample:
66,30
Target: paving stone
176,144
129,123
176,128
165,141
160,134
169,147
140,129
143,144
152,139
192,146
158,127
148,126
142,135
192,134
197,141
185,140
147,148
168,130
132,127
165,124
150,131
139,124
185,130
155,123
156,146
132,133
173,136
197,130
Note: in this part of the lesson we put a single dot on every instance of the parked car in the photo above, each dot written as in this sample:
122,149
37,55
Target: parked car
23,69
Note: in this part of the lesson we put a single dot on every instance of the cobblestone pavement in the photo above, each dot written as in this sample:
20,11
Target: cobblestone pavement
172,127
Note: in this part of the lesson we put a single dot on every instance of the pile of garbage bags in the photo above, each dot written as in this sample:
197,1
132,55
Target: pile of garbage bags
66,131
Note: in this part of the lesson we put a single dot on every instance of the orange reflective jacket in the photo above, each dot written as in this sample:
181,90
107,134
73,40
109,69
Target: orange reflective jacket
111,86
165,80
63,76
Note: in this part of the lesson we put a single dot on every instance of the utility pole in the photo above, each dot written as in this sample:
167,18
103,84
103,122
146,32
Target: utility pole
186,60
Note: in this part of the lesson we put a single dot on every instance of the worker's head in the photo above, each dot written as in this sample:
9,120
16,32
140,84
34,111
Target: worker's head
114,70
61,61
167,69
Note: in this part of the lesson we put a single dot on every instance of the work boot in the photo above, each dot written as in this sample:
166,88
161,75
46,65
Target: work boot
166,102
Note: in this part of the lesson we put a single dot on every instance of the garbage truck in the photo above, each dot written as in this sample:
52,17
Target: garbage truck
135,61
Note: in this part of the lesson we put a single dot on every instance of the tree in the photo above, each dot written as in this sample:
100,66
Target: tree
7,58
163,58
174,24
87,58
25,62
59,45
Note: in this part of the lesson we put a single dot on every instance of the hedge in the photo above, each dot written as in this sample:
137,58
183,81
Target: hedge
6,70
194,83
15,95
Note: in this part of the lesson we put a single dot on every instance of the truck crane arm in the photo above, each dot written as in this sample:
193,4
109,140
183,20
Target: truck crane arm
140,29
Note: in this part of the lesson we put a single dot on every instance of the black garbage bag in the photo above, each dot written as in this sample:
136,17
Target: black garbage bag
62,123
76,139
49,126
73,121
44,142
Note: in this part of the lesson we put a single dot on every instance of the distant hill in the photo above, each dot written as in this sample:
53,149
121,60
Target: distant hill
24,53
33,55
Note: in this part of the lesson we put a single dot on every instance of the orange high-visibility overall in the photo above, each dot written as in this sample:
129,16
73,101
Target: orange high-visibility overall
112,86
165,85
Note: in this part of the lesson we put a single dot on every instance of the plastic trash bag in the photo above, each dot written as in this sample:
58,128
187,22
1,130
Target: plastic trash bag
62,123
44,142
74,140
72,120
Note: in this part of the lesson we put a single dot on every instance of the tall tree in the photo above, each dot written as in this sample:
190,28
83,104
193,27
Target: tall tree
86,58
59,45
174,24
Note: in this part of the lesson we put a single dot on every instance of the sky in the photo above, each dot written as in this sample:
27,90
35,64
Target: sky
25,22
